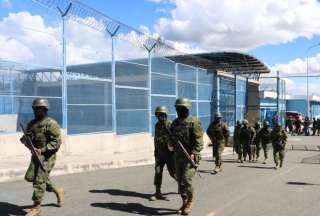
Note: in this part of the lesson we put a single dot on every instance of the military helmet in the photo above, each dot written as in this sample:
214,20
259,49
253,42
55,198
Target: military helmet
245,122
161,109
183,102
40,102
238,123
217,115
265,123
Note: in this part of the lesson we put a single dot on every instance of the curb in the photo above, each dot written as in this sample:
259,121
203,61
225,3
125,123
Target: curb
15,174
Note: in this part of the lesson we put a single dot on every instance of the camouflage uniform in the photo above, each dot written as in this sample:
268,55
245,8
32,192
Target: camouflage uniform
218,133
263,136
278,138
189,131
45,135
247,135
257,146
163,156
236,141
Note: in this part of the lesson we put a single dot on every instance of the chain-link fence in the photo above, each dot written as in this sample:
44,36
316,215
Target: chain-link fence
101,75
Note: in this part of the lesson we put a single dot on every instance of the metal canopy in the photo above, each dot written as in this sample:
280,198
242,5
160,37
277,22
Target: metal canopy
233,62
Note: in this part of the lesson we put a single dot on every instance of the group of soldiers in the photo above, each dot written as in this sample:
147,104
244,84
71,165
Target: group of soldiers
298,127
248,140
177,145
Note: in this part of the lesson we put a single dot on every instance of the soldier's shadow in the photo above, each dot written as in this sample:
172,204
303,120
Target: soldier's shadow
119,192
135,208
8,209
255,167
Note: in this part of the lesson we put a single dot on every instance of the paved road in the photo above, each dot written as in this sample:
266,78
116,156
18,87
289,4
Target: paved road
240,190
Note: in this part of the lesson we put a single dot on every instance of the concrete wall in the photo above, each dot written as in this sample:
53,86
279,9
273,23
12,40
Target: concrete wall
253,102
107,143
8,122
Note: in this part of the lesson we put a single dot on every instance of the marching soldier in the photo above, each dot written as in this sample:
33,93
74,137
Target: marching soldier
45,135
189,131
236,141
279,139
218,133
263,136
247,135
257,146
162,151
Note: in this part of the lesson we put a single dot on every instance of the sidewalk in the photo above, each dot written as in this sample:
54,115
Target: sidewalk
14,168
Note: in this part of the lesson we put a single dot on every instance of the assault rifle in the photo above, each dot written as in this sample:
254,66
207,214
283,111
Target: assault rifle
178,143
30,145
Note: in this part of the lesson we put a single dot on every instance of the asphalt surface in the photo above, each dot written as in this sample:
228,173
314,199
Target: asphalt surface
249,189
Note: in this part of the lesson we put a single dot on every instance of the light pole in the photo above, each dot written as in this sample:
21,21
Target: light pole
308,100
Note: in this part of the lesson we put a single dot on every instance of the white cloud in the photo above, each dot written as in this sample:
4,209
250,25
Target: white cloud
6,3
297,67
26,38
235,25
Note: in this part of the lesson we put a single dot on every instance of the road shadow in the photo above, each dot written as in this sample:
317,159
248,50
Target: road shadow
205,171
135,208
43,205
301,183
256,167
118,192
8,209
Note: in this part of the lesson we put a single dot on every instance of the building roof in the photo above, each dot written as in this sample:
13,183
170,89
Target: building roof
234,62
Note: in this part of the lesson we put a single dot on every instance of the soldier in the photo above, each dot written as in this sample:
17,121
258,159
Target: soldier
218,133
263,136
189,131
162,151
247,135
236,141
45,135
257,146
278,138
314,126
290,125
306,125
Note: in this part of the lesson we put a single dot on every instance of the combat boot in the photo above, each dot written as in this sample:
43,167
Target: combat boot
188,207
157,195
59,192
216,169
265,161
277,166
36,210
184,203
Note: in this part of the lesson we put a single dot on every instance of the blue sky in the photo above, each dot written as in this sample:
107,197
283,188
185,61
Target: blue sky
276,32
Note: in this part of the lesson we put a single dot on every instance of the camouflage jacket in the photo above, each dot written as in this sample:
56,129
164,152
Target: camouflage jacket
247,135
263,136
236,135
161,138
218,132
278,139
190,133
45,135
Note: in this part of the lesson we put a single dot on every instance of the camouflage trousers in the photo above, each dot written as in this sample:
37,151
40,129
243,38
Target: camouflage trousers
266,148
278,154
185,173
217,149
39,178
247,151
258,149
238,149
253,152
159,165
